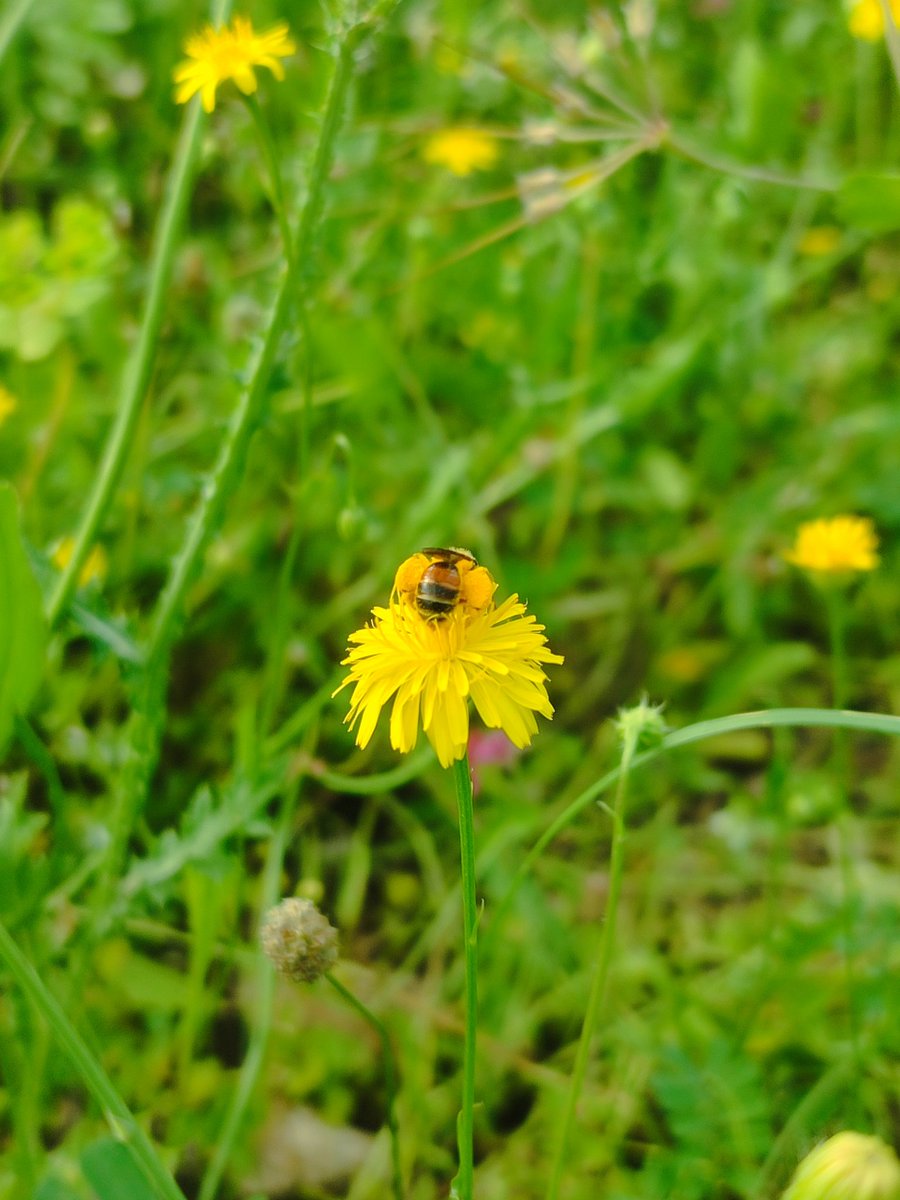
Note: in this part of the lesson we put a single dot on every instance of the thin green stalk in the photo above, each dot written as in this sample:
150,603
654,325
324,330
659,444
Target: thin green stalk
604,958
390,1078
813,718
253,1061
462,1186
136,375
223,476
10,24
267,145
46,764
892,37
21,1087
835,602
837,626
222,480
95,1079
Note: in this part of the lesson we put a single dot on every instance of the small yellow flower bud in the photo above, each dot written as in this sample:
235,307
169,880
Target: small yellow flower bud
849,1166
299,941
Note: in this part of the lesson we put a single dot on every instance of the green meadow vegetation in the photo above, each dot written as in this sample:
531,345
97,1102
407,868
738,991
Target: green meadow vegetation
607,293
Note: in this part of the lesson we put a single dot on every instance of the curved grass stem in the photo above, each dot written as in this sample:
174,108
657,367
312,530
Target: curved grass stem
604,958
798,718
95,1079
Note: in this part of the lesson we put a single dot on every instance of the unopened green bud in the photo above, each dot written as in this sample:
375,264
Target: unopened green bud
300,942
643,725
849,1166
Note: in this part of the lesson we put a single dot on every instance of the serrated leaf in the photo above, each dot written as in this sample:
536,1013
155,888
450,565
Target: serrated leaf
23,632
110,1169
870,202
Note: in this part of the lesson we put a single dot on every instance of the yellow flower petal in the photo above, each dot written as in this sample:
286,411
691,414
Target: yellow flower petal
866,19
8,403
232,52
835,545
94,567
461,151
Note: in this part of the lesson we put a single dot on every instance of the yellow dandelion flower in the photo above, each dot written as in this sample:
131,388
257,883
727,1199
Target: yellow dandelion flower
95,565
836,544
461,151
849,1166
216,55
8,403
819,241
432,663
866,19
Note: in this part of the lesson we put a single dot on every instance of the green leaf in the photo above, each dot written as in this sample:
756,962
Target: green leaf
23,632
51,1187
870,202
110,1169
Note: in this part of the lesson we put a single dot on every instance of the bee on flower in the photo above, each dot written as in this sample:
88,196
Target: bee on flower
231,52
835,545
441,641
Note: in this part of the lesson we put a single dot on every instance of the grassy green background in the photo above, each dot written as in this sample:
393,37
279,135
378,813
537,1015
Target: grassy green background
625,407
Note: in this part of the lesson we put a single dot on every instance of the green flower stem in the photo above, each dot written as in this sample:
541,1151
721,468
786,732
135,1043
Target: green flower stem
462,1185
223,477
892,37
390,1078
97,1082
837,637
221,482
253,1061
264,135
835,603
9,26
799,718
601,974
136,375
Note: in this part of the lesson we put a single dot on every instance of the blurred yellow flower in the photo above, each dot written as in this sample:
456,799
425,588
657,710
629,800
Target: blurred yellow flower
819,241
832,545
849,1166
461,151
866,19
432,665
216,55
8,403
95,565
